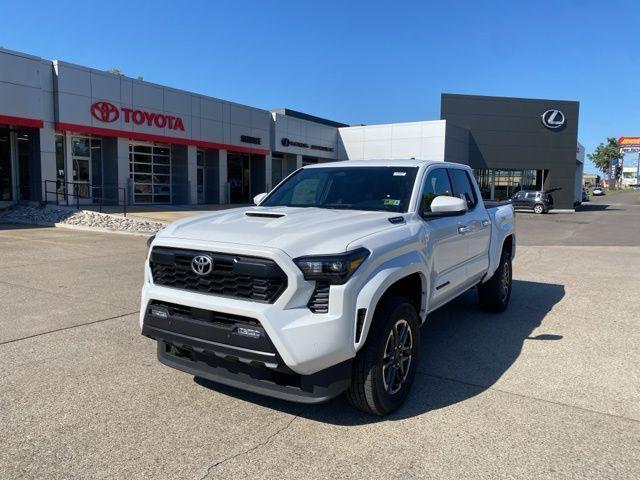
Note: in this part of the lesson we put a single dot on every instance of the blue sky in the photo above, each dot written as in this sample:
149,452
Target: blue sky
356,62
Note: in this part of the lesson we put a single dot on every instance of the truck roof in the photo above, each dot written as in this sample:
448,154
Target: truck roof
395,162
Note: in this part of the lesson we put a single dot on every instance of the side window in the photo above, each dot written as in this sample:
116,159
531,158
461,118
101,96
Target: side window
436,184
531,195
462,187
519,196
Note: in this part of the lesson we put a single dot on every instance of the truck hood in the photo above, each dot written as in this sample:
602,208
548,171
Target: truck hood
296,231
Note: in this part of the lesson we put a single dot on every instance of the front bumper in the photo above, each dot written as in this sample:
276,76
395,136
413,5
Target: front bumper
316,388
306,357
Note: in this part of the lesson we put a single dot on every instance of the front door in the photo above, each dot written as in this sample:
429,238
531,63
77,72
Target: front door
443,242
476,226
519,199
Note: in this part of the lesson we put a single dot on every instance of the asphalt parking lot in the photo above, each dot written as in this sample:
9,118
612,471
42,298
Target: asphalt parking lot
550,389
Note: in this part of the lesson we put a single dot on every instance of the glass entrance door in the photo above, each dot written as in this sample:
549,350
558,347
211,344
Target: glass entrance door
201,177
81,177
238,177
6,173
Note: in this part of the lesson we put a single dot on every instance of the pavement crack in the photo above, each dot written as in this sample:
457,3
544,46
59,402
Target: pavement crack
529,397
253,448
69,327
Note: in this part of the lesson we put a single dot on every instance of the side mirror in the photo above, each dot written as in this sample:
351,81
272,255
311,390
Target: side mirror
258,198
444,206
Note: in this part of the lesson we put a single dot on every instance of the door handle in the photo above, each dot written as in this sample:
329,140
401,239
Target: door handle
464,229
485,223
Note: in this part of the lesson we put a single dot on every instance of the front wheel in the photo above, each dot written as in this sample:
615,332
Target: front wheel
495,293
385,367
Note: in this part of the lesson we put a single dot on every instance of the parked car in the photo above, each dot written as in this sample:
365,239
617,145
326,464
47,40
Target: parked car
321,288
585,195
538,201
597,191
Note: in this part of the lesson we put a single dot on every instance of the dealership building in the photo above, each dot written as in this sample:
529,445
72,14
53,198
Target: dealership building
77,134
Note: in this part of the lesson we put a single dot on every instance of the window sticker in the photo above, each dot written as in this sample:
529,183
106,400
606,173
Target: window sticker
399,174
391,201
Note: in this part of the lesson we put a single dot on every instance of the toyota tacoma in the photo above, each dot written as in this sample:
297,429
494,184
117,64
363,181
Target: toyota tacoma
321,288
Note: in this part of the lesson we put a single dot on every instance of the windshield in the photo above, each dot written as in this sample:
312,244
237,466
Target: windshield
355,188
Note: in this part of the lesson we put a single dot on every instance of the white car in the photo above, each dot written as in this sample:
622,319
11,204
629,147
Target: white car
321,288
597,191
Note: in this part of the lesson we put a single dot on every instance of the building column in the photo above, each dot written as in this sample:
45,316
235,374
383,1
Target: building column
267,172
122,158
192,173
48,161
298,161
222,177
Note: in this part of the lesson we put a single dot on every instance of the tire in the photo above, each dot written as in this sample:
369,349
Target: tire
538,209
495,293
379,387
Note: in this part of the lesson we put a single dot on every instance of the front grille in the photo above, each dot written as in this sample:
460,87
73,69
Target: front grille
201,314
319,301
252,278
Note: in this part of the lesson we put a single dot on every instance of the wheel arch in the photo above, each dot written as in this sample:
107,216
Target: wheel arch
410,283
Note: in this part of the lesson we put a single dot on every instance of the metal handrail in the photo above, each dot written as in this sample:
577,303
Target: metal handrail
90,188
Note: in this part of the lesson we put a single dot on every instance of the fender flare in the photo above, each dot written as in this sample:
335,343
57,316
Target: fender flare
376,286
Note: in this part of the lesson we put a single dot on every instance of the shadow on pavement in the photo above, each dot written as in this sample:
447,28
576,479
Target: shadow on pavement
595,207
464,352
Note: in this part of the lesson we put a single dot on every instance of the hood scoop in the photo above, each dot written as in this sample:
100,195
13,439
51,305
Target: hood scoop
264,214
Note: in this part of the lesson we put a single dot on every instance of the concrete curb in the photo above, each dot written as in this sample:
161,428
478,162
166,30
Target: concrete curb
81,228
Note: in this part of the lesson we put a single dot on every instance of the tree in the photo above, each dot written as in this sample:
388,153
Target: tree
606,154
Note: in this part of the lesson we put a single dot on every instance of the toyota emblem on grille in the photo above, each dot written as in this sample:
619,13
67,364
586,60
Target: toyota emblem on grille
202,264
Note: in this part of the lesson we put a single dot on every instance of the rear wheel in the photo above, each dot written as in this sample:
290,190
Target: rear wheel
538,209
385,367
495,293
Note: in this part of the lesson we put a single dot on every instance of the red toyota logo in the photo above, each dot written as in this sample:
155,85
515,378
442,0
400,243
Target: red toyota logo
105,111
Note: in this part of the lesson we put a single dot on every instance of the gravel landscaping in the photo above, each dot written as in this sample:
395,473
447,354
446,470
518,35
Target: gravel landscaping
49,215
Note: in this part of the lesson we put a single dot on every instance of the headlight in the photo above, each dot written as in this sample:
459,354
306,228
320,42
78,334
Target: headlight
335,269
150,241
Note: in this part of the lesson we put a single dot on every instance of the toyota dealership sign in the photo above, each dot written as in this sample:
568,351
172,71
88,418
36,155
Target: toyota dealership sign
108,112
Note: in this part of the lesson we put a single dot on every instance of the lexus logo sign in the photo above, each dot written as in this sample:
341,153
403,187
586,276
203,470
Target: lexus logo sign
105,111
553,119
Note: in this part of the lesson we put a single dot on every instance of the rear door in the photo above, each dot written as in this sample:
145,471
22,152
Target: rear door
444,247
476,227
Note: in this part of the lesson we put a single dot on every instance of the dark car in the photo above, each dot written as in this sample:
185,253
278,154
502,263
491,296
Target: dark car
538,201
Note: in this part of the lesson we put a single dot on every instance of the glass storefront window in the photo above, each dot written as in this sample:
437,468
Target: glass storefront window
501,184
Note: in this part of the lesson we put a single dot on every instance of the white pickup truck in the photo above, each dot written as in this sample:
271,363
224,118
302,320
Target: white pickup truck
321,288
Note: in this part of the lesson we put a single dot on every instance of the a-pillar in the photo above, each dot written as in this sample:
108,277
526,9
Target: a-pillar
222,177
192,173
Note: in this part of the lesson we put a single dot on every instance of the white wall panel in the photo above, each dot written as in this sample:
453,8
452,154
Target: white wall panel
147,96
105,87
177,102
